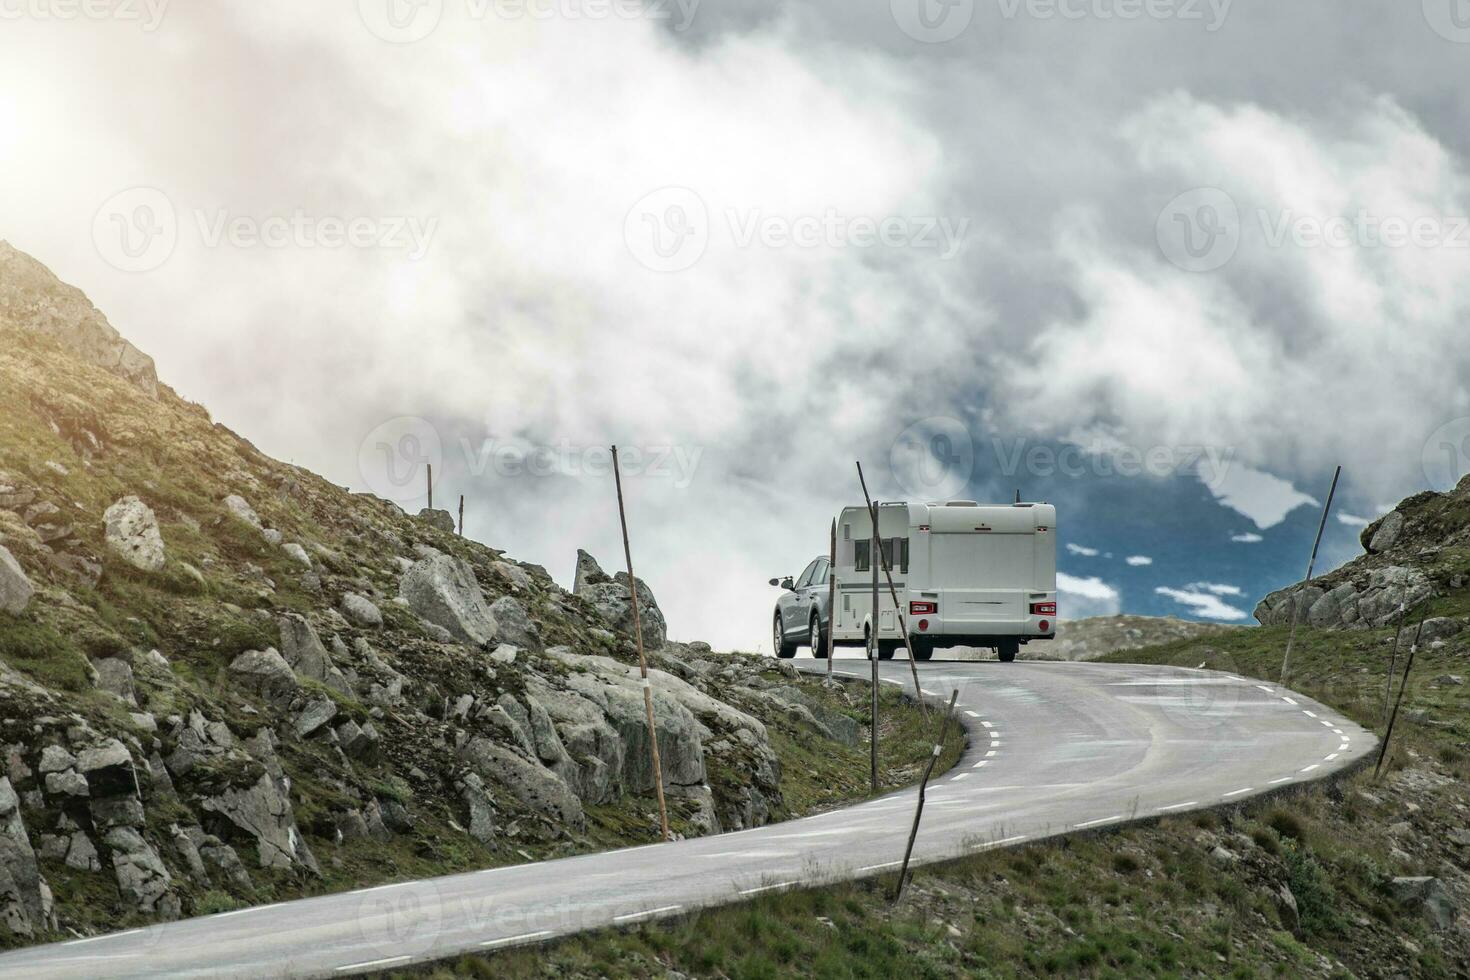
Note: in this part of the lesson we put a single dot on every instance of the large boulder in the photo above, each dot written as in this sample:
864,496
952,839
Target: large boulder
441,519
302,648
108,769
142,878
1428,895
132,532
516,625
241,509
612,600
262,814
540,789
265,674
15,589
360,611
443,590
1385,533
24,896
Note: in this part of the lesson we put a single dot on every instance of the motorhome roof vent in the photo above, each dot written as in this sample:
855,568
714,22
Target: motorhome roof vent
962,503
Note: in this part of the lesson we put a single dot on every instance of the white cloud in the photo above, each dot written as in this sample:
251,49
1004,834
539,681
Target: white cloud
1203,604
1078,549
1215,588
1083,597
1353,521
1248,537
1139,560
1263,498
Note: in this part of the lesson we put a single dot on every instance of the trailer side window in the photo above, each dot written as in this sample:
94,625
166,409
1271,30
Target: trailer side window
861,553
901,546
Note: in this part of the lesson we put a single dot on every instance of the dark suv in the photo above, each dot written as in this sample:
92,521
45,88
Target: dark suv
803,615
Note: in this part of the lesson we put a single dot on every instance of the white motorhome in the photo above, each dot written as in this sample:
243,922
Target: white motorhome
966,575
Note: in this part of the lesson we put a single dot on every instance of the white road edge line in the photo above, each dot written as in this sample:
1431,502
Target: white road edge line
1237,792
523,937
1178,806
1283,779
646,912
1094,823
1307,769
963,775
766,888
368,963
93,939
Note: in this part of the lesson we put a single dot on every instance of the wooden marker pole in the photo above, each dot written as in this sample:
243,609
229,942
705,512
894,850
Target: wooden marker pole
903,873
831,597
461,515
431,484
1403,685
1296,606
897,609
658,774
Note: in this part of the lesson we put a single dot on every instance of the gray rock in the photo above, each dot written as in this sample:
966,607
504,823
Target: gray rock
266,675
1429,895
132,532
23,904
505,654
272,537
1286,901
302,648
611,599
441,519
81,853
115,676
15,589
119,811
444,591
109,770
69,783
360,611
1387,533
314,716
142,877
537,787
516,625
297,554
588,573
262,814
517,577
1437,628
481,808
54,758
241,509
1336,607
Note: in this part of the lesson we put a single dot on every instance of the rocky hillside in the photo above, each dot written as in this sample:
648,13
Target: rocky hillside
1418,551
224,680
1098,636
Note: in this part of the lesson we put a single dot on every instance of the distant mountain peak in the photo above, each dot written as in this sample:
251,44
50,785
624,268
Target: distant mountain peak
33,298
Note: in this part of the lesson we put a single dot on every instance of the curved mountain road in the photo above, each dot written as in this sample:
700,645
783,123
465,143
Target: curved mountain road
1053,747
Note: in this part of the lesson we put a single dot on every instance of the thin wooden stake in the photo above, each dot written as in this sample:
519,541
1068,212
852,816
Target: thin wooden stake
1311,564
461,515
831,598
903,873
431,484
1393,658
903,628
1403,686
873,654
658,773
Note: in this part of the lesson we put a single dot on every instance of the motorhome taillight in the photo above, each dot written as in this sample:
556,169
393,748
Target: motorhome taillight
923,625
1043,608
1045,626
923,608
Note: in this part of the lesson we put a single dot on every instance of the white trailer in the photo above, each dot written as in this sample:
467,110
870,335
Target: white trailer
966,575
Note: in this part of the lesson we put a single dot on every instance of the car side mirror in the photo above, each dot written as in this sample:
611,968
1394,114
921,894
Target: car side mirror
787,584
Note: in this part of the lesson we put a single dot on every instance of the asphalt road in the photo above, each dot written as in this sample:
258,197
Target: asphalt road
1053,748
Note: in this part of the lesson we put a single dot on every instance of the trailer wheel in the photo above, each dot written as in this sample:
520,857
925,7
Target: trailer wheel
783,649
887,648
1008,651
817,638
923,650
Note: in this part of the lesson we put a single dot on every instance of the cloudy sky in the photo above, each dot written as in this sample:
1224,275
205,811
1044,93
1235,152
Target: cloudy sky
1163,262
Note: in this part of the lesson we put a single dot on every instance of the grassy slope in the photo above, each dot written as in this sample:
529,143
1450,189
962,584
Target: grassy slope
113,442
1147,900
